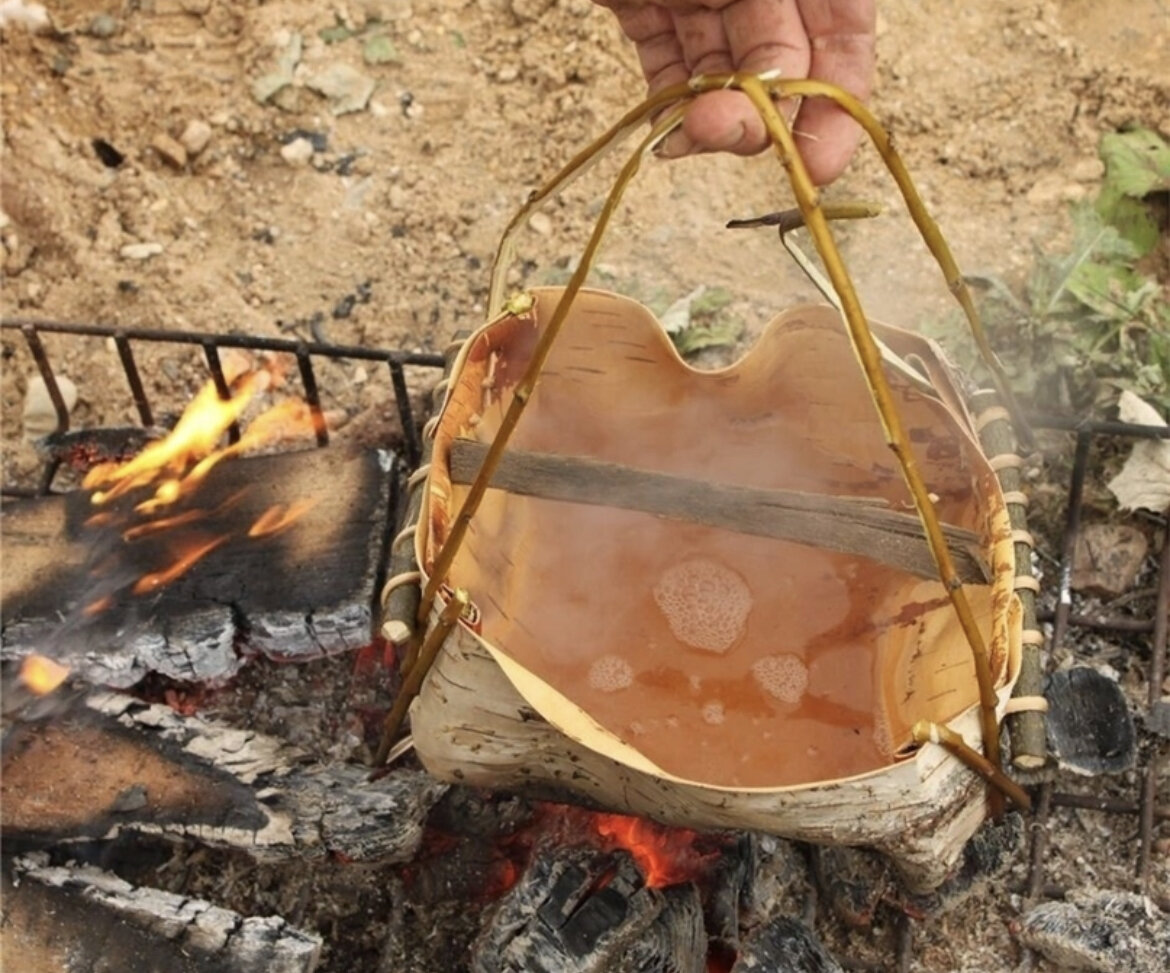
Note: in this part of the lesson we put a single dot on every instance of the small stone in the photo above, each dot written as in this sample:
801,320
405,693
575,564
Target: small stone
104,26
133,798
1088,170
195,7
529,10
1049,190
1108,558
507,74
298,152
40,417
171,151
140,251
541,224
195,136
265,87
31,16
347,88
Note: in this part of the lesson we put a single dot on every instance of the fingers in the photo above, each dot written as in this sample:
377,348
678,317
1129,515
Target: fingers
748,35
831,40
842,43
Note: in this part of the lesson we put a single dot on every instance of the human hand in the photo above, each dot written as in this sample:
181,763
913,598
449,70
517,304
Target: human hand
829,40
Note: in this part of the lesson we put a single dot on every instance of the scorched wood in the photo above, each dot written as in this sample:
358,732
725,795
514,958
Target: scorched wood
579,910
117,764
69,583
84,919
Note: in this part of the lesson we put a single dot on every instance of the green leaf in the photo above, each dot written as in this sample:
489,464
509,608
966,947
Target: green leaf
1113,290
710,302
715,335
1094,242
1137,162
1131,217
334,34
380,50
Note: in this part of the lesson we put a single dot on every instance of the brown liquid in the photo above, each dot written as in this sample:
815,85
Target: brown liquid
778,663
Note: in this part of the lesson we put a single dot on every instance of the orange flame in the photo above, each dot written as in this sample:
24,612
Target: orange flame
42,675
279,517
160,579
176,465
665,855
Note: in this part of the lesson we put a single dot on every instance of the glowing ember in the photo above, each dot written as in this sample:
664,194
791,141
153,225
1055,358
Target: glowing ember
665,855
97,606
42,675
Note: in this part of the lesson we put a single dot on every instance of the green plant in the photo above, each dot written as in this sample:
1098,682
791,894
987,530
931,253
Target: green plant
1093,319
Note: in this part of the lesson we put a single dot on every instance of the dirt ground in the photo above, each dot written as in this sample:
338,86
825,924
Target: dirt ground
155,122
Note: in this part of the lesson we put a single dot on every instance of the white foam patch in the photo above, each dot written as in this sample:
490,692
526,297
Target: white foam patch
783,676
610,673
882,737
713,712
705,603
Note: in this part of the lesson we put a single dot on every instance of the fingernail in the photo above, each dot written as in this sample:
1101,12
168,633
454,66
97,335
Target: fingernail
675,146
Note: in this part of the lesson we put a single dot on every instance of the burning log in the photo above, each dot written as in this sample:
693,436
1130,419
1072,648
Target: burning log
106,594
84,919
579,910
116,764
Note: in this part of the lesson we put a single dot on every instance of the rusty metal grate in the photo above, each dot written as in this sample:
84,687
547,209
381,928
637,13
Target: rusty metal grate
127,339
1145,803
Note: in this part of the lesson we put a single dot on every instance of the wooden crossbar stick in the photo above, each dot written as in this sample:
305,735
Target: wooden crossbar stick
850,525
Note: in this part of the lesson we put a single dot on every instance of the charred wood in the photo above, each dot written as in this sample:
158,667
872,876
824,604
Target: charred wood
84,919
784,945
116,764
69,583
579,910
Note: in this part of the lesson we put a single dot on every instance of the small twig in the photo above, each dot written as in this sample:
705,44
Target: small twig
414,679
926,732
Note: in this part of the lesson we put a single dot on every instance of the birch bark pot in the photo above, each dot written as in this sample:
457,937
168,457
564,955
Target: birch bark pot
705,597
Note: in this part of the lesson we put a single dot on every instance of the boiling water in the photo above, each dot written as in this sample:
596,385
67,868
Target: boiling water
732,660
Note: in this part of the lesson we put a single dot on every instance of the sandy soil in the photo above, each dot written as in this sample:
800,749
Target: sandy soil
997,107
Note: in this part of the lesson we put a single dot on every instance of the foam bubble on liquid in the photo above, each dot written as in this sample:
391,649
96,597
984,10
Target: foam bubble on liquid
882,735
783,676
713,712
705,603
610,673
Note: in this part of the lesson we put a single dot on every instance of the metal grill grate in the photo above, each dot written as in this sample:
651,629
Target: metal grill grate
1144,805
127,339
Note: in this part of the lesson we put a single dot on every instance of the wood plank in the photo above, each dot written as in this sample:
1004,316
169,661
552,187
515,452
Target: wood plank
300,593
112,764
850,525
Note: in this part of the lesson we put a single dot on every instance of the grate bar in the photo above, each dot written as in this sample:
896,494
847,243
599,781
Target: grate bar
312,396
211,345
47,374
130,367
221,385
247,342
409,432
